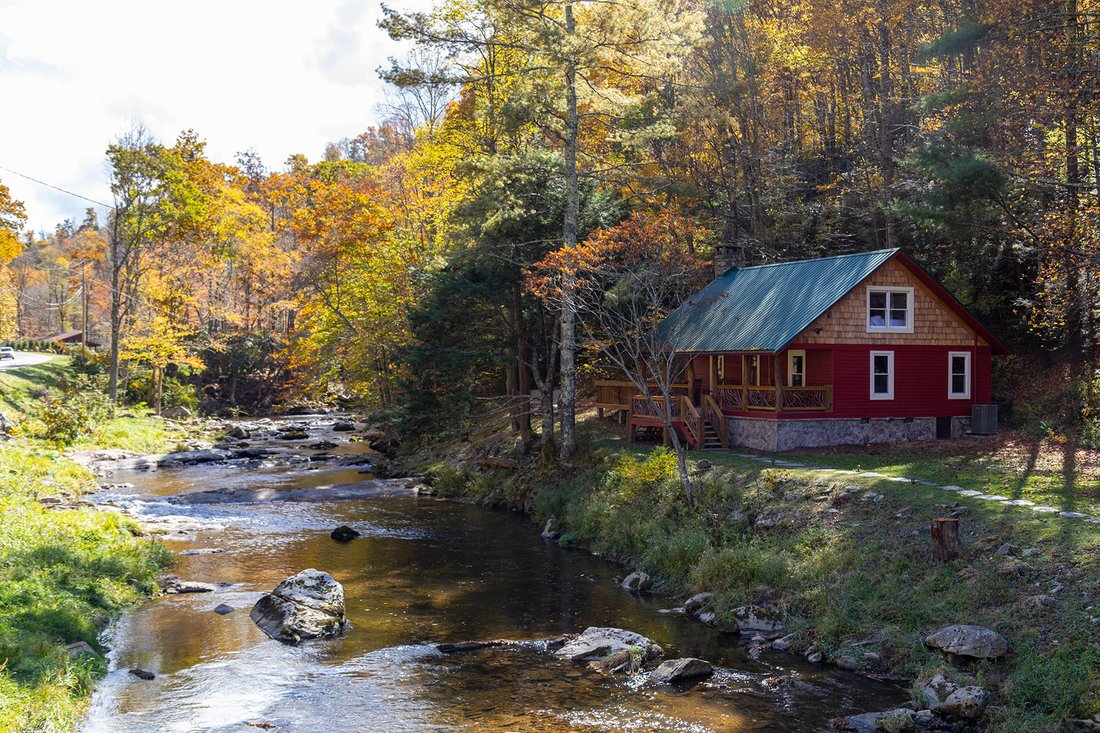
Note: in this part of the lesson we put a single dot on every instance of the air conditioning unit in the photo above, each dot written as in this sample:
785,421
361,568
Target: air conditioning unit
983,419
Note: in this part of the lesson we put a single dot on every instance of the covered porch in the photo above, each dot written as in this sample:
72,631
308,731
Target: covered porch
716,387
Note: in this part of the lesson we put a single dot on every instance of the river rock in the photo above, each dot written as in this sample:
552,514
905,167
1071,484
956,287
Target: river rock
238,432
343,426
208,455
142,674
636,581
344,533
898,720
323,445
968,640
179,412
697,602
751,619
173,584
945,697
596,643
308,605
677,670
80,647
223,609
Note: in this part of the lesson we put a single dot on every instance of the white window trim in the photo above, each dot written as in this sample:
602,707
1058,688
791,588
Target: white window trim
890,381
790,366
888,328
950,375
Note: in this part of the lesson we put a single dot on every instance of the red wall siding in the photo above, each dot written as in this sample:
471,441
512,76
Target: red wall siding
819,367
920,382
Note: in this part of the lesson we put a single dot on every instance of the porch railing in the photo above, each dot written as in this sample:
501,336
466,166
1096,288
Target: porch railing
741,398
653,407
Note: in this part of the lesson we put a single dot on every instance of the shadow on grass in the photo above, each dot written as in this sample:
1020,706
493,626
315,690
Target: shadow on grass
25,385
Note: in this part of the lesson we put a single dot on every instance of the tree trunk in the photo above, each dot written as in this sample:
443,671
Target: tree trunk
522,415
572,209
116,329
945,539
886,128
678,446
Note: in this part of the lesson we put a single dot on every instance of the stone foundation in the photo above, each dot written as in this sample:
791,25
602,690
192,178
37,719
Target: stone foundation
772,435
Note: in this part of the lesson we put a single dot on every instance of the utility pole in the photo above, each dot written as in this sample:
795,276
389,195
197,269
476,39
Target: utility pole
84,305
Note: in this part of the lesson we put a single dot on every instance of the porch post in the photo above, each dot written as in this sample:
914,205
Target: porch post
778,384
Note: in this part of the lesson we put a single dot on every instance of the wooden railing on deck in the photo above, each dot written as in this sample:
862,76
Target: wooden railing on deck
654,407
617,394
740,398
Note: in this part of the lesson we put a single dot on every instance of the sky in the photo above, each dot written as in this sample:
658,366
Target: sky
279,76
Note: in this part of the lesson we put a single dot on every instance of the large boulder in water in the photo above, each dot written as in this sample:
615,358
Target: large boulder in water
969,641
309,605
597,643
678,670
344,533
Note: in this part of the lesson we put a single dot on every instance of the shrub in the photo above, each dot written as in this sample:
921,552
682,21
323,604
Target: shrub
74,413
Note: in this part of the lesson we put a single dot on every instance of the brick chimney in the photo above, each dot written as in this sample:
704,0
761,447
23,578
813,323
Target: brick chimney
727,255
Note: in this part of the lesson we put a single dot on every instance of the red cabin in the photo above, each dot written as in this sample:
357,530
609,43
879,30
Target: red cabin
852,349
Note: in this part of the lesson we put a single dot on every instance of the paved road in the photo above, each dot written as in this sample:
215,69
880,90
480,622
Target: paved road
24,358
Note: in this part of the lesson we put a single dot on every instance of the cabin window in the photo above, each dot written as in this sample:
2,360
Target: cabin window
752,371
958,375
796,368
882,375
890,309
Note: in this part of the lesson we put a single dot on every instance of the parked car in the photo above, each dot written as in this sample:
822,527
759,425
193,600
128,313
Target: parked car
7,352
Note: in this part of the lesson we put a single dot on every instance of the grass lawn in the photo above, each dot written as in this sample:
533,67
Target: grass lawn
22,389
1047,471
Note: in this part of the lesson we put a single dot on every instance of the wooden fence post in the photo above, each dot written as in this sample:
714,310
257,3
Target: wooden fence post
945,539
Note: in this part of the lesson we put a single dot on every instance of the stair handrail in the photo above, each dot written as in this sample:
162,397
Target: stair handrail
691,421
714,414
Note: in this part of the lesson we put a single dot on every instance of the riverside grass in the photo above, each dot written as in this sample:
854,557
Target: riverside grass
853,574
63,575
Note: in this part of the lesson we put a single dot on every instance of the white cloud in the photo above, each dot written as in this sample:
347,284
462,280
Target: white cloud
280,76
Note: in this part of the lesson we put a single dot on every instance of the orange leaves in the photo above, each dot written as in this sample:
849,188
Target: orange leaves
330,206
664,242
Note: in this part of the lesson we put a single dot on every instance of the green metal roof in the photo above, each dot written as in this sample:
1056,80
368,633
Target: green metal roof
764,308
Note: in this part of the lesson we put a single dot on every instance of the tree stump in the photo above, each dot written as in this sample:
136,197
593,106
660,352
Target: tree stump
945,539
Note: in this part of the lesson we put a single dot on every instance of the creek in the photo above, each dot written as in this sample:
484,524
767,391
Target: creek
423,572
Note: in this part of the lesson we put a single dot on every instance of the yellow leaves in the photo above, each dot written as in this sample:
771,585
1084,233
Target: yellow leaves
12,218
160,342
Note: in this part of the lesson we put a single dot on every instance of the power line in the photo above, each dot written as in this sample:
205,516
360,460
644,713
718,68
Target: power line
56,188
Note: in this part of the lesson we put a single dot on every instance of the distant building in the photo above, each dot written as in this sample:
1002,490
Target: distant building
72,338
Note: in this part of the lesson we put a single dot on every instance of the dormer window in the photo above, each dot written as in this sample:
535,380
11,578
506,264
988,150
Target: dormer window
889,309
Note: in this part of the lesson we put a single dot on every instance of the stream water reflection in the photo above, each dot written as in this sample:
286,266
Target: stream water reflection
423,572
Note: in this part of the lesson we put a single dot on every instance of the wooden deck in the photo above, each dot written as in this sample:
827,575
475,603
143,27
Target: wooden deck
704,426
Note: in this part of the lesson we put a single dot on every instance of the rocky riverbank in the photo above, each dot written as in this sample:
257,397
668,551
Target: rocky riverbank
837,569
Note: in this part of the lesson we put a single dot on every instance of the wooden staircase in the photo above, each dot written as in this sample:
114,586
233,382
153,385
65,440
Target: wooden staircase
711,439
